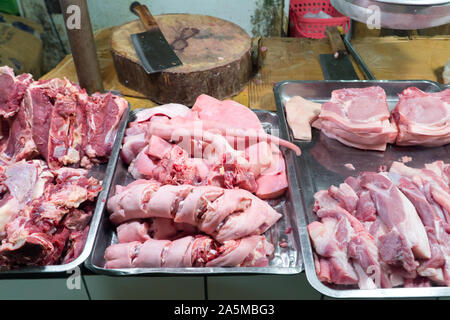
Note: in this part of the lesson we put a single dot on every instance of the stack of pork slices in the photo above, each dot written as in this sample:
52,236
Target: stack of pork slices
201,178
49,130
360,118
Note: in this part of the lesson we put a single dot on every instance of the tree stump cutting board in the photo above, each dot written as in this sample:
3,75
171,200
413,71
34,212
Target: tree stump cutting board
215,54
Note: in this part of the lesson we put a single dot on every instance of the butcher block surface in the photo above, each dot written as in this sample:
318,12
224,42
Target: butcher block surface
293,59
215,54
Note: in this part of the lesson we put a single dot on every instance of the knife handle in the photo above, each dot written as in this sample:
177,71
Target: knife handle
144,15
337,45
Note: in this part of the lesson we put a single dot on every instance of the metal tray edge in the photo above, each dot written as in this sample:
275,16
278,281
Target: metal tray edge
305,242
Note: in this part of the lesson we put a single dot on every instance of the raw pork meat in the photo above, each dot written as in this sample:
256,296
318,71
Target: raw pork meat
300,114
200,251
44,214
213,146
57,120
358,117
12,89
423,118
398,218
225,214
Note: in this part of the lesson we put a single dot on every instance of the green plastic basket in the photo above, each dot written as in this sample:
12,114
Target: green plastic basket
9,6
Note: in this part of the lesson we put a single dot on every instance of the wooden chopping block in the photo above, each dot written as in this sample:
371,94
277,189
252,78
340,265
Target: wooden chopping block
216,56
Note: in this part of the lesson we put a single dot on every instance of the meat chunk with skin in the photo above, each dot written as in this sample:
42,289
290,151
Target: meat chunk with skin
225,214
423,118
358,117
200,251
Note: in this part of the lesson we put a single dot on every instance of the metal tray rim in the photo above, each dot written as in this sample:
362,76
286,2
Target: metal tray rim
305,242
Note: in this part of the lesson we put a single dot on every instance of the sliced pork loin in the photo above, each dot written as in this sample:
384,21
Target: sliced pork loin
358,117
199,251
225,214
423,118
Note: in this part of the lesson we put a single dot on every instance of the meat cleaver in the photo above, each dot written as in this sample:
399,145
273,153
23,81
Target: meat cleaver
151,46
337,66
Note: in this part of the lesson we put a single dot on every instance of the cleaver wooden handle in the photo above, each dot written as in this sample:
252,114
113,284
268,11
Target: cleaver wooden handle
337,45
144,14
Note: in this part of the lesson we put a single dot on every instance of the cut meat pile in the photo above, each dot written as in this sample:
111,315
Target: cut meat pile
44,214
57,120
201,175
385,229
360,118
48,130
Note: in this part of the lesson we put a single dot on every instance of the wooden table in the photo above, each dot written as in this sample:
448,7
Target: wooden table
391,58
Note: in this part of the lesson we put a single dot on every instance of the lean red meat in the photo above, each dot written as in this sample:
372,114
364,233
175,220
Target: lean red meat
400,217
218,143
57,120
12,89
358,117
225,214
44,214
423,118
199,251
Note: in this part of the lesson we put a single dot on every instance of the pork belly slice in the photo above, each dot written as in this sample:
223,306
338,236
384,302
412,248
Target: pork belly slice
422,118
358,117
200,251
225,214
12,89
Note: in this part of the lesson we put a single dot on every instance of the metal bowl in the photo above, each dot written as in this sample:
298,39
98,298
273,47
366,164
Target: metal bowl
396,14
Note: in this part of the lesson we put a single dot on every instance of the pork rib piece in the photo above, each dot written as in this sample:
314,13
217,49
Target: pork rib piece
423,118
200,251
12,89
358,117
224,214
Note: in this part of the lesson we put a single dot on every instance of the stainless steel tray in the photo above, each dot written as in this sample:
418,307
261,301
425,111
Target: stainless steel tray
396,14
322,164
103,172
286,260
